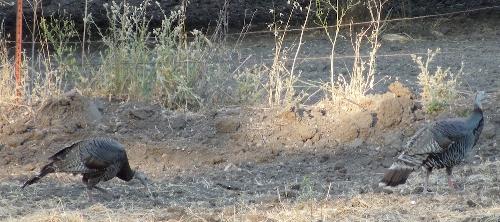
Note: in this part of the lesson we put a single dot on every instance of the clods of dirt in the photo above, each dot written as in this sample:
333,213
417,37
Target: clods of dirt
227,124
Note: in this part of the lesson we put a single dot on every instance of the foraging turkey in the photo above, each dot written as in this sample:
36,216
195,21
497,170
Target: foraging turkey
97,159
442,144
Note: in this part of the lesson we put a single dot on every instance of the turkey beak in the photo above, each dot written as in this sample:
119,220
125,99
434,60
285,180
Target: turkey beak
145,181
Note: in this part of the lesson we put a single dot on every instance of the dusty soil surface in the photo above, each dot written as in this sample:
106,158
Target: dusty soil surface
302,163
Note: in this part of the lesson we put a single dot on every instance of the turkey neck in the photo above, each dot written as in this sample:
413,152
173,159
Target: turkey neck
126,173
476,117
476,122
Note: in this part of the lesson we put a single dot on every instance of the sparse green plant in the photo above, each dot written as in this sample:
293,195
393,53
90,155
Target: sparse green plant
160,65
56,34
191,73
126,68
306,191
251,87
179,68
438,89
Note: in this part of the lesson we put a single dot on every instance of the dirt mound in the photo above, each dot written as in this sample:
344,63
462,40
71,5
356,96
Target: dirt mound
205,136
68,113
323,127
56,121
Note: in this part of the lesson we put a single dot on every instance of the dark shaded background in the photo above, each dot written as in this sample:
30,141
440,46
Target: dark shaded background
202,14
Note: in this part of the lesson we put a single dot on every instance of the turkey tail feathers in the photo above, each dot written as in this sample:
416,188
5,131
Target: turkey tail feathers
397,174
49,168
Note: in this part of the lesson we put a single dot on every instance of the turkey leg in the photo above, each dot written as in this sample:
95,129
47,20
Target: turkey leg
428,172
451,184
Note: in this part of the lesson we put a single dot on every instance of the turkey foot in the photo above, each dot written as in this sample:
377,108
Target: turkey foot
427,191
108,194
453,185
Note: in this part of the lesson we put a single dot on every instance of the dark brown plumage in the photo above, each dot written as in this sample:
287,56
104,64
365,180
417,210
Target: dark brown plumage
97,159
396,177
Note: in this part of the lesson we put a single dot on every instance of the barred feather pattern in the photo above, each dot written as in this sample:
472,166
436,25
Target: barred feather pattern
453,156
443,144
97,159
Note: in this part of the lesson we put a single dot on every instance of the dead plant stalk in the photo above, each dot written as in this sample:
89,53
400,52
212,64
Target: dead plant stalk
300,39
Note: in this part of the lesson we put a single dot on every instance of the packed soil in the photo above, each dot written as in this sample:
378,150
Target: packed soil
312,162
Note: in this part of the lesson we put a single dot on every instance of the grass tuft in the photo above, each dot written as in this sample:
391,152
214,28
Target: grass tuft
7,84
440,88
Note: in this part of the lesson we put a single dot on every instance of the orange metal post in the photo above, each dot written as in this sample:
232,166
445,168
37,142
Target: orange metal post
19,39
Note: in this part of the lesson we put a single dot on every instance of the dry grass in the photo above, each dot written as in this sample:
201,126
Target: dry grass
346,90
160,65
7,85
478,202
378,208
372,207
281,79
440,88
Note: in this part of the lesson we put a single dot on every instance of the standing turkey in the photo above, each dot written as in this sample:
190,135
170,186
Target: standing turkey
97,159
442,144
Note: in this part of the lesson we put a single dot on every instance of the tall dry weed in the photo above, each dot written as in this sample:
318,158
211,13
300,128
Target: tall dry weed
7,84
438,89
361,79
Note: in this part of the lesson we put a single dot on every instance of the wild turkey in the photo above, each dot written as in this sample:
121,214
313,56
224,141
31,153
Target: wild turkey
442,144
98,159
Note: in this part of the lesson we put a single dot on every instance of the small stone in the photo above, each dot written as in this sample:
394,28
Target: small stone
324,158
459,209
362,190
437,33
178,121
29,167
306,132
295,187
217,160
394,139
339,165
390,37
103,127
141,114
419,114
387,190
356,143
342,171
387,162
471,203
419,190
308,143
489,131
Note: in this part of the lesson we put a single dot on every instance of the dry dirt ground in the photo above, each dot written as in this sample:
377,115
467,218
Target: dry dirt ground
306,163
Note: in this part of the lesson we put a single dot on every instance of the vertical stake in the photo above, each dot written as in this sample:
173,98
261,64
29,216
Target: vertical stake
19,32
